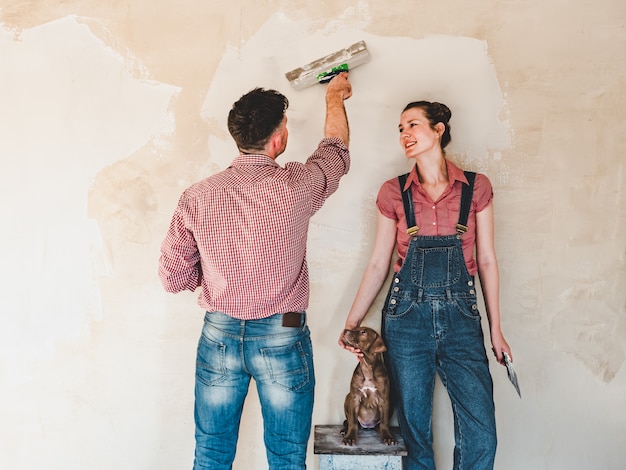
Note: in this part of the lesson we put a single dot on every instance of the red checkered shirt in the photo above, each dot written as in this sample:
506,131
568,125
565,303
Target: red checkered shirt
241,234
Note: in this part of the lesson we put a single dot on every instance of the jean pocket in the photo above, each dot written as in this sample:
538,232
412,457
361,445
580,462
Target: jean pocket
210,361
430,262
467,307
288,365
398,307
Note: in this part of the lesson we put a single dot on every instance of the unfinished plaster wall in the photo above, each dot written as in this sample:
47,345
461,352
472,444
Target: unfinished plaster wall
109,111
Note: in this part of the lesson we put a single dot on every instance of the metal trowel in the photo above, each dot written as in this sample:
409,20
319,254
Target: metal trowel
324,69
511,372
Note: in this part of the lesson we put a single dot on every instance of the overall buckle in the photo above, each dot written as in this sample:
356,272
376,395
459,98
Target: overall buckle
412,231
461,229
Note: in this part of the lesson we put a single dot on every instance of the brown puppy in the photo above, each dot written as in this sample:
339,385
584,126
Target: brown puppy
367,403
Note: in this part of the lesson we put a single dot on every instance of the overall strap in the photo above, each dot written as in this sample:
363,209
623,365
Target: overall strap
407,201
466,202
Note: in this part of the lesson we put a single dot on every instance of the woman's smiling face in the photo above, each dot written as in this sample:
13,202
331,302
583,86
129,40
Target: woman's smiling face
416,134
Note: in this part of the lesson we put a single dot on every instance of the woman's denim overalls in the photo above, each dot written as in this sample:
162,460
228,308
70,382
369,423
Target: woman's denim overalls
431,324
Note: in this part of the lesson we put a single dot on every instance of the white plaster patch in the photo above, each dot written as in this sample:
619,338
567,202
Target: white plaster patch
69,108
454,70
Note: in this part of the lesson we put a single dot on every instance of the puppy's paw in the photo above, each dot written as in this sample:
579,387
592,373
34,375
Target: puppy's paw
388,439
344,429
349,439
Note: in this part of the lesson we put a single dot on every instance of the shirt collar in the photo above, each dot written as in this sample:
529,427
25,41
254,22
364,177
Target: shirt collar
454,174
253,159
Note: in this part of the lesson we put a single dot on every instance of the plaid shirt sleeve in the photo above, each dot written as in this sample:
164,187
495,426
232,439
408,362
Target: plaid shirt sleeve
179,265
329,162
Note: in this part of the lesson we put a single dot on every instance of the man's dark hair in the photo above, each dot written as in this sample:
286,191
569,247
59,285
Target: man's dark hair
254,118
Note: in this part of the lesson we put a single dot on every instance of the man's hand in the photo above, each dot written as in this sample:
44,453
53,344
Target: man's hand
339,84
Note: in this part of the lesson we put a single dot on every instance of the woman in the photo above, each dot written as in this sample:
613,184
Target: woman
431,322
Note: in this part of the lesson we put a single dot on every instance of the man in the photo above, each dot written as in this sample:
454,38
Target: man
241,236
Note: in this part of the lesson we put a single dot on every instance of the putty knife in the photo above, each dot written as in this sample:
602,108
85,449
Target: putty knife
324,69
511,372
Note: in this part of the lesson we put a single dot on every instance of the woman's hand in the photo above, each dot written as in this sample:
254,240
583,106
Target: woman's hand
356,351
499,345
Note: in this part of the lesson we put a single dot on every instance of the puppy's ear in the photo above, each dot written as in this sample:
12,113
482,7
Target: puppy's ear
378,346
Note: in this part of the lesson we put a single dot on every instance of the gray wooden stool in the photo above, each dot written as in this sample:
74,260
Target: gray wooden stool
369,453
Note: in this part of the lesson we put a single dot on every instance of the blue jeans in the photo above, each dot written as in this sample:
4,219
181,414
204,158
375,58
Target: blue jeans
280,359
431,324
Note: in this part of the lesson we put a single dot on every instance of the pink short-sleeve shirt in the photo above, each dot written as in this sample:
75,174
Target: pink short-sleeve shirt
435,217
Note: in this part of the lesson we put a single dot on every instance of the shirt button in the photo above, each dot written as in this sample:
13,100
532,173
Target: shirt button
396,280
392,301
474,307
470,283
396,289
433,207
472,291
434,223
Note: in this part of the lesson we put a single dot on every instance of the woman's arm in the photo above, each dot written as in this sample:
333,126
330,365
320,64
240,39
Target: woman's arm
375,273
490,278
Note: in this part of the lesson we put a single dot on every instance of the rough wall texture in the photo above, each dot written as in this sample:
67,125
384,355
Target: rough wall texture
110,109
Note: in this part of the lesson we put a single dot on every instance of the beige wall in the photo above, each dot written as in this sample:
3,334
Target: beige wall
110,109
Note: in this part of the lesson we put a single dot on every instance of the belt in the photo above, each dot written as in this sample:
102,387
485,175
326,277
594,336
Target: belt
294,319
